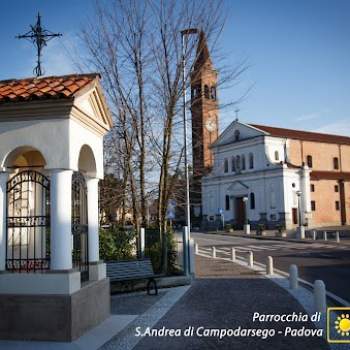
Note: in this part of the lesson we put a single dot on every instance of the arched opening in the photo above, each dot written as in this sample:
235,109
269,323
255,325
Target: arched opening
251,160
238,163
309,161
336,163
86,161
206,91
193,93
233,164
80,256
237,135
226,165
28,216
86,167
252,201
213,93
243,162
227,202
24,157
28,211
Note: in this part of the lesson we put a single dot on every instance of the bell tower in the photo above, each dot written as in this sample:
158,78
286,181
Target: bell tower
204,109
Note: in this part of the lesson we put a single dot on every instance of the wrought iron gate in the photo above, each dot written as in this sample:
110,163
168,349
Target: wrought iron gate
80,225
28,222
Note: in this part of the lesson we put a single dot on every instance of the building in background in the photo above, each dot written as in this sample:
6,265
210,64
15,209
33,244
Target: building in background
267,174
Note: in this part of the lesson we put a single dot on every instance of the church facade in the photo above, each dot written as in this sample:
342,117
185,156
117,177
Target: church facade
277,177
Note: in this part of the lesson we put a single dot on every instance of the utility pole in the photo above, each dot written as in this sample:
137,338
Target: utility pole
184,33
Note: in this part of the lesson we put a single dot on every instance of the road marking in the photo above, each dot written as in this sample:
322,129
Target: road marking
226,249
262,247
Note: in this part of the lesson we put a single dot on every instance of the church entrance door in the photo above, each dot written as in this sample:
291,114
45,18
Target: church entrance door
295,216
240,212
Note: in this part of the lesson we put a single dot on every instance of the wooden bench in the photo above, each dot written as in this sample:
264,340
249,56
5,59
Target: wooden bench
133,270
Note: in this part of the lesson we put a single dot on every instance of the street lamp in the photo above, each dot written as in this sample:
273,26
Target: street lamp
301,228
184,33
246,222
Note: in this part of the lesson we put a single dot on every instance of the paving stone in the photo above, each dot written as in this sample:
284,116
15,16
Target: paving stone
225,296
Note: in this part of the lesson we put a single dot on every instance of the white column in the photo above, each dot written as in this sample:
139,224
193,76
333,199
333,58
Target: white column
3,203
142,242
61,219
92,204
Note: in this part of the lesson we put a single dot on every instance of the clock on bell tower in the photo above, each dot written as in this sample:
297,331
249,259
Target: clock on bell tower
204,109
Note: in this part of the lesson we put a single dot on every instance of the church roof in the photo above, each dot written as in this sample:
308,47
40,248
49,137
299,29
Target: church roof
303,135
43,88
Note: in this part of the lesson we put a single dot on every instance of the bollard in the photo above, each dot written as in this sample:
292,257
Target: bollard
250,259
301,232
142,242
314,235
337,237
185,251
233,254
192,257
196,248
325,235
213,252
293,277
269,265
320,303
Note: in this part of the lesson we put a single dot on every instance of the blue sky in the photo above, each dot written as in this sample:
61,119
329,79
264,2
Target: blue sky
298,52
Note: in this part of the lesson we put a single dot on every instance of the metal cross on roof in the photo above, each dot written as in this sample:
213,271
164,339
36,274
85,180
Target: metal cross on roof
39,37
237,111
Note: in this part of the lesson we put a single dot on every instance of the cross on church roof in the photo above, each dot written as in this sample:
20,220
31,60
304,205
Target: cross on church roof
39,37
237,111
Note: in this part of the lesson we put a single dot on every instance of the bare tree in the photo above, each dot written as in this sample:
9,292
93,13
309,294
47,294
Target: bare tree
136,45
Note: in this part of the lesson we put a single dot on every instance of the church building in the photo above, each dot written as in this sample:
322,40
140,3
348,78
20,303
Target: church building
261,174
278,177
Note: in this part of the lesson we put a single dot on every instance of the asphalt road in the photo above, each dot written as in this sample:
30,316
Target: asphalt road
317,260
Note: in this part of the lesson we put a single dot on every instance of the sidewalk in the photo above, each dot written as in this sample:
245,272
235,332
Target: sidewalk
224,295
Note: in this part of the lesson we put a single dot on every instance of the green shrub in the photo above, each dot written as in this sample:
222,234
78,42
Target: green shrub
281,228
116,243
153,250
119,244
260,229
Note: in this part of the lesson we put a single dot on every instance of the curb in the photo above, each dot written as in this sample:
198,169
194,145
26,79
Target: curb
269,238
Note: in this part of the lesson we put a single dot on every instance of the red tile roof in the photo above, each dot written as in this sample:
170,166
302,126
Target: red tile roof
43,88
303,135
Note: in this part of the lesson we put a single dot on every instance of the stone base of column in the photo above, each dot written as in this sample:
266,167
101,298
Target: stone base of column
246,228
47,282
54,317
97,271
